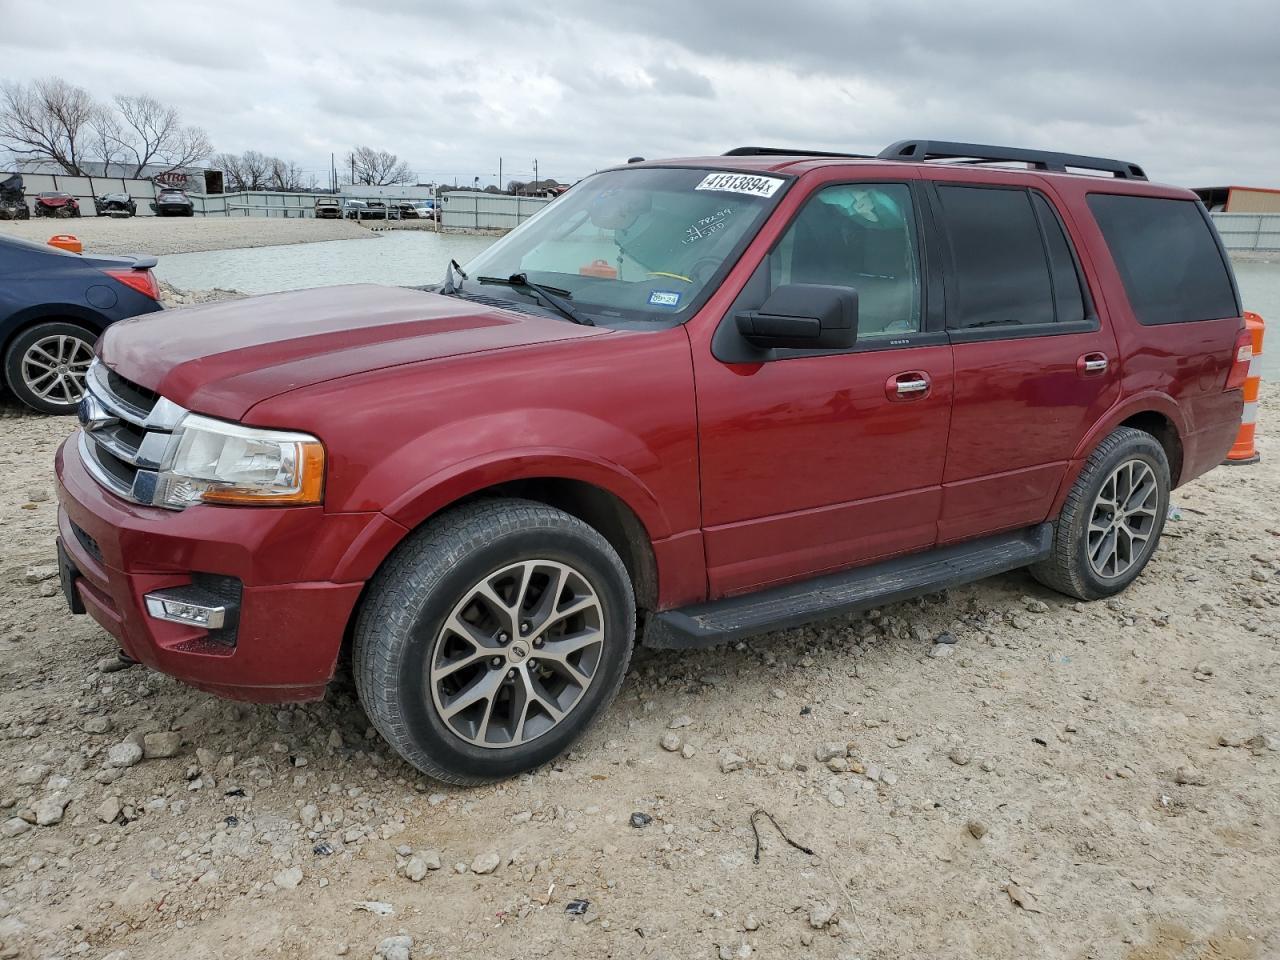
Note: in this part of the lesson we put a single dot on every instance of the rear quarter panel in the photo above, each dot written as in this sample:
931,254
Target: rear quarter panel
1178,369
46,286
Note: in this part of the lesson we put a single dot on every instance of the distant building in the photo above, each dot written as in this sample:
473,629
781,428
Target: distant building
1239,199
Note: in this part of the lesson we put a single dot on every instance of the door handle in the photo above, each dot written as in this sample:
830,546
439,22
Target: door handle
1092,364
914,385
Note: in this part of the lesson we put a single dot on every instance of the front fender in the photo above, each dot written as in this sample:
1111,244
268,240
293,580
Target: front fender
465,456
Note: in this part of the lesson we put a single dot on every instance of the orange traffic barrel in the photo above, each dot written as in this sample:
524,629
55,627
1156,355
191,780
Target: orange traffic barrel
66,241
1245,451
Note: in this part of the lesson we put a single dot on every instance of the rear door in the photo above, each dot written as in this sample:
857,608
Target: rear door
1035,367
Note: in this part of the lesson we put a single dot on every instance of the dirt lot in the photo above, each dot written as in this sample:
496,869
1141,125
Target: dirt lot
163,235
1068,781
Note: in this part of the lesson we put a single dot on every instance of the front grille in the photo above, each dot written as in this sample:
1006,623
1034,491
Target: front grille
126,433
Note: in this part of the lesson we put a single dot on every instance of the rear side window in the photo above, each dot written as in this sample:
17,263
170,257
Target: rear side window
1001,272
1169,261
1068,301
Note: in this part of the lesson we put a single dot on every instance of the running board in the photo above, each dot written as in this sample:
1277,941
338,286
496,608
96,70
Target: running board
706,624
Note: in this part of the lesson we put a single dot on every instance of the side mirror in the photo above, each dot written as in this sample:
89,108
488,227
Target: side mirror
803,316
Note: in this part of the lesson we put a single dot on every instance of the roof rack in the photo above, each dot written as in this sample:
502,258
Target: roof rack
788,152
923,150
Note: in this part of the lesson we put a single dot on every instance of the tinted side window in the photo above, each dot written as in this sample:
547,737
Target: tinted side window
1068,302
1168,259
861,236
1001,274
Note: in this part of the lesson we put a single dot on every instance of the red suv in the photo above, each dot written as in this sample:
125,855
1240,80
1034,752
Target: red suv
689,402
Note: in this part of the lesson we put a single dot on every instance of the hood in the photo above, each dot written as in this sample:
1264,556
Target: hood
222,358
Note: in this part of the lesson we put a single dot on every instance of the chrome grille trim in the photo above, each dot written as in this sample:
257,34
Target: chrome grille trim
107,447
164,415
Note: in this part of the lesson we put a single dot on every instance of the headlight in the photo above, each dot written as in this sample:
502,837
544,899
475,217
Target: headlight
217,462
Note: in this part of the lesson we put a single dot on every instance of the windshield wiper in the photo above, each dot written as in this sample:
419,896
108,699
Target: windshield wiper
551,295
450,285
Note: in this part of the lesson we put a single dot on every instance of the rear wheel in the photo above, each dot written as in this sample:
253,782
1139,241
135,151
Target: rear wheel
1112,519
46,366
492,639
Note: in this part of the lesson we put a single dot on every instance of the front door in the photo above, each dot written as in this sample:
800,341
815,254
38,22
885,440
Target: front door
813,462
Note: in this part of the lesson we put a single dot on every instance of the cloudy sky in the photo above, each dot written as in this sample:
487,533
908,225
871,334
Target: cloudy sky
1190,90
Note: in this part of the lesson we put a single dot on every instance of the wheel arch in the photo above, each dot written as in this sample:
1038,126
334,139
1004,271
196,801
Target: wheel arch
604,507
21,321
1155,413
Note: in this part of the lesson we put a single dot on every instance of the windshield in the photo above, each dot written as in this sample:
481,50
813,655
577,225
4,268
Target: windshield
636,244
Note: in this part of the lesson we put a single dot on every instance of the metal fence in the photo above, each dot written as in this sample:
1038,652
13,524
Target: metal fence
84,189
470,210
1248,231
256,203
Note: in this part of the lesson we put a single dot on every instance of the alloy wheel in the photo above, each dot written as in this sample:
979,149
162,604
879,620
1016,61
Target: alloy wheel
517,653
54,368
1123,519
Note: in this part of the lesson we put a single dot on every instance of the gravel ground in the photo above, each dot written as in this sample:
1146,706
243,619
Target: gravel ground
1053,780
163,235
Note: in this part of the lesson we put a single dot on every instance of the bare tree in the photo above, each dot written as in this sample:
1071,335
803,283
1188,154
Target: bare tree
257,167
47,120
285,176
232,168
252,170
378,167
151,133
104,137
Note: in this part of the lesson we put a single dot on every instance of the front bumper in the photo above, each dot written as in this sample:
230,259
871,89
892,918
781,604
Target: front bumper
291,615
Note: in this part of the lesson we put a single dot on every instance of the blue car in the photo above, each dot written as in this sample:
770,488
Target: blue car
53,307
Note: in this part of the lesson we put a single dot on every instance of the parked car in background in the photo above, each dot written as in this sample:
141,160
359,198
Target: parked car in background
13,203
328,208
172,202
115,205
53,307
688,403
356,209
416,210
56,203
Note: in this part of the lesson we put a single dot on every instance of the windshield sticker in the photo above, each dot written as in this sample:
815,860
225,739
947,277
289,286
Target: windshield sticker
664,298
741,183
707,225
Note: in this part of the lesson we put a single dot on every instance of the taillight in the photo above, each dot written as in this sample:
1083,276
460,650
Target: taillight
1240,361
143,281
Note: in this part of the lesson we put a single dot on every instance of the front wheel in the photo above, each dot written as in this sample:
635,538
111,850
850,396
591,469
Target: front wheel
1112,519
492,639
46,366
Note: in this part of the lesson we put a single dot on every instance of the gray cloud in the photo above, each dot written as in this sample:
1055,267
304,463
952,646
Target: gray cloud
1193,95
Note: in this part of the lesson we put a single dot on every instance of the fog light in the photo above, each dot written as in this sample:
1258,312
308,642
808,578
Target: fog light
176,609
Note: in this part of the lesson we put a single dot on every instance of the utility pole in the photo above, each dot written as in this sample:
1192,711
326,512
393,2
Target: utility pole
535,176
353,169
502,187
333,173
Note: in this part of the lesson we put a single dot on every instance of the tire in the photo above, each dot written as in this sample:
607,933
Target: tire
406,660
1089,559
62,351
